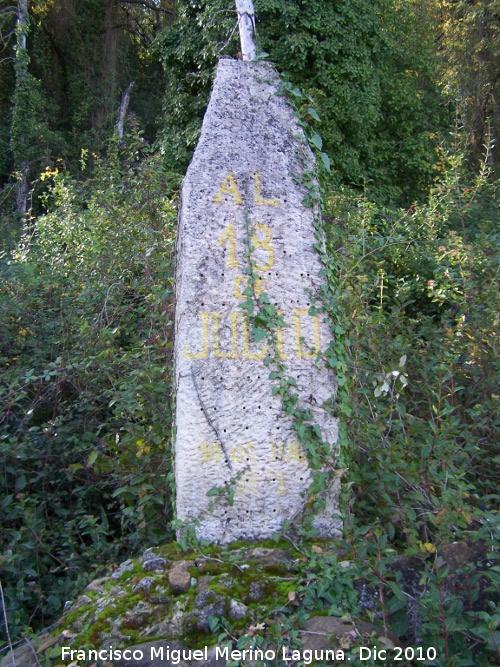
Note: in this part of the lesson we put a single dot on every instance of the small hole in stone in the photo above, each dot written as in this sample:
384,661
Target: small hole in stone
274,510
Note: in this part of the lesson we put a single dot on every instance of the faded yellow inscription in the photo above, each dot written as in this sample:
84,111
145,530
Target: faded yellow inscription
246,344
210,451
257,193
241,283
228,187
265,244
204,353
230,236
301,354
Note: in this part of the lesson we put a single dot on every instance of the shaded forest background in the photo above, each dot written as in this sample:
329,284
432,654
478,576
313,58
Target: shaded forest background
405,96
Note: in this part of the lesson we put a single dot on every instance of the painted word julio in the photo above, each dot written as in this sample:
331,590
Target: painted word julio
239,345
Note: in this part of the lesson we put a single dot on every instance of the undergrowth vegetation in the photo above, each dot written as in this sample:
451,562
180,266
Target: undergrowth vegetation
85,338
422,314
421,307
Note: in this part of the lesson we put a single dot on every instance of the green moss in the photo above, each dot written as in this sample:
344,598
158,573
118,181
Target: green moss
221,563
277,569
212,567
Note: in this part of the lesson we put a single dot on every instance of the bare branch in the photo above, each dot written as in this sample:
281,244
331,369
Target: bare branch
123,108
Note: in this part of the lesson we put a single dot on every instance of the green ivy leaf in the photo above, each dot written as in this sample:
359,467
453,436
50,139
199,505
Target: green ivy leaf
247,305
313,113
326,161
317,141
258,334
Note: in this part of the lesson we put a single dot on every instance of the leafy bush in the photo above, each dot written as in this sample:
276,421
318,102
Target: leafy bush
420,300
86,310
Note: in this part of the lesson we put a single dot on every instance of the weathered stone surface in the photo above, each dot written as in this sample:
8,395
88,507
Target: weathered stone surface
155,563
203,583
81,602
206,604
229,425
179,578
237,610
317,633
97,585
256,592
144,584
268,557
126,566
22,656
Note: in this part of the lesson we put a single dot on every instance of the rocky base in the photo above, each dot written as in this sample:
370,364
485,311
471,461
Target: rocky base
173,608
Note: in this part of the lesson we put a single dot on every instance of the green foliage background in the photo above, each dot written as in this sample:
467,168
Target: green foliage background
405,94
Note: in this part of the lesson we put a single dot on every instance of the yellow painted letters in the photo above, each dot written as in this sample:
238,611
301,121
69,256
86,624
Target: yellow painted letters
228,187
204,353
257,193
230,235
234,336
298,338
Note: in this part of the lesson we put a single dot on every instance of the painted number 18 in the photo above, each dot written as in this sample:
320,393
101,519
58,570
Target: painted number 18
261,241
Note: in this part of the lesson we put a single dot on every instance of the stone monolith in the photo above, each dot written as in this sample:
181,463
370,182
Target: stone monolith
230,431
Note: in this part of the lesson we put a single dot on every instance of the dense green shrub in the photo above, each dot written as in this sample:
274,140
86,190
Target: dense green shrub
420,307
85,338
421,298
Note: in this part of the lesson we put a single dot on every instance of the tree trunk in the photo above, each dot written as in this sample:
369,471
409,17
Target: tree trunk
246,24
21,82
123,108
